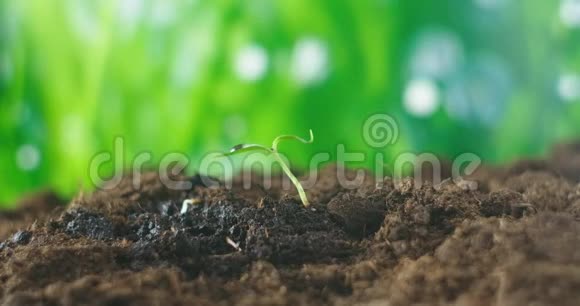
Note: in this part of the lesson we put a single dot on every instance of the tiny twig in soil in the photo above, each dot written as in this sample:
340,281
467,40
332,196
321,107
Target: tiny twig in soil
188,202
233,244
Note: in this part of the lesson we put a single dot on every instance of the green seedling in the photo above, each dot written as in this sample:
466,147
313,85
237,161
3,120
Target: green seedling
241,148
274,151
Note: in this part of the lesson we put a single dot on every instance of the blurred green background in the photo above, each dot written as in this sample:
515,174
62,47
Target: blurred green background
500,78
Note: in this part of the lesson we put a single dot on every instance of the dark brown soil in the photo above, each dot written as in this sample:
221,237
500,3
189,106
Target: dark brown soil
515,241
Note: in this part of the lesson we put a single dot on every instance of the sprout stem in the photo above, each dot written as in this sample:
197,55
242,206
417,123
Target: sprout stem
293,178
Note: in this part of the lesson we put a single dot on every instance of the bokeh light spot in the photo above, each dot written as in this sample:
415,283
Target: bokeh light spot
185,63
309,61
72,134
436,54
489,4
570,12
163,13
480,92
421,97
251,63
130,13
569,87
27,157
83,19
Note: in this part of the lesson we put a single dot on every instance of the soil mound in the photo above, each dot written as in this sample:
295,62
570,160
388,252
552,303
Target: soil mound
515,241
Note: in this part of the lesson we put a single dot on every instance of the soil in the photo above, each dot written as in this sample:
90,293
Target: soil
513,241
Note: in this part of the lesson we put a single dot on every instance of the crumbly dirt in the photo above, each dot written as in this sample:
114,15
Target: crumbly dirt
513,241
